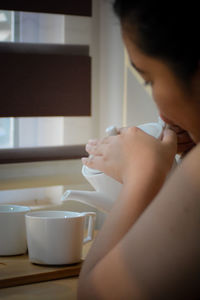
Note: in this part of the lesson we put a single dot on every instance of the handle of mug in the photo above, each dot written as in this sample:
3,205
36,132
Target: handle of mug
91,226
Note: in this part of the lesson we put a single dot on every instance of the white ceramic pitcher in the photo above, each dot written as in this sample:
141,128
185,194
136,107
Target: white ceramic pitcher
106,189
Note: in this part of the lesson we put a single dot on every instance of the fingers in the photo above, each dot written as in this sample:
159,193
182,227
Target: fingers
122,129
184,138
176,128
184,148
96,142
92,141
185,143
94,162
182,135
96,147
170,138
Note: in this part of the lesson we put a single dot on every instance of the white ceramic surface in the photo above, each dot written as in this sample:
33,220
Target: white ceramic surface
12,229
107,185
102,183
57,237
154,129
106,188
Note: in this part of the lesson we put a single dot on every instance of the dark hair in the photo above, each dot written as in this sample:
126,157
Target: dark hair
164,29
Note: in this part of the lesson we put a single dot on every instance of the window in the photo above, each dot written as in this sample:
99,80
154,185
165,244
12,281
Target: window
45,28
114,101
7,29
6,132
45,131
6,25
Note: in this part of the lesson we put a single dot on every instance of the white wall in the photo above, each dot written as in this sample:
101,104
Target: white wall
140,106
123,99
85,31
111,69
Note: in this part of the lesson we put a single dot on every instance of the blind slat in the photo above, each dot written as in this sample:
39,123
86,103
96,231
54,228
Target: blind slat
35,154
70,7
44,80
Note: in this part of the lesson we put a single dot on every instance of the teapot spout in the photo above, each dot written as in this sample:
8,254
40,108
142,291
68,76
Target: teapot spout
94,199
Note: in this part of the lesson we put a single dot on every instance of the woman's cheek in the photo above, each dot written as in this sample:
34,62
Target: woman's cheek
165,100
160,98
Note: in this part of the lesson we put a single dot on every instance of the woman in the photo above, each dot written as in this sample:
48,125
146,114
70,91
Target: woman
149,245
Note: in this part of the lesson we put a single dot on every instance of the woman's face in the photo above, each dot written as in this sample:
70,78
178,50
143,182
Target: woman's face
175,103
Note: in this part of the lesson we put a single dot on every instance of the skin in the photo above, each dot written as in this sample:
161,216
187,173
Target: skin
172,99
149,247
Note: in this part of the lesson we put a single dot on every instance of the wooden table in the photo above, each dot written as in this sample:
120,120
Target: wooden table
59,289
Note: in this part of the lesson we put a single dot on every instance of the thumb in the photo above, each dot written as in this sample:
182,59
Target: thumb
170,139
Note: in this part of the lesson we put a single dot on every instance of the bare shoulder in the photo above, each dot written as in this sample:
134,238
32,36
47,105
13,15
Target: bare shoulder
165,241
191,164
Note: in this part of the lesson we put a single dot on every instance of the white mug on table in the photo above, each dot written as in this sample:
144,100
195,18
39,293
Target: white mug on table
12,229
57,237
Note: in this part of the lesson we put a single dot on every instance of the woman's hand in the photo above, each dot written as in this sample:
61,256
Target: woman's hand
132,152
184,141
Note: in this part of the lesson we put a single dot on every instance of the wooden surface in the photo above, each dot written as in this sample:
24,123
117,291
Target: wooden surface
62,289
18,270
15,269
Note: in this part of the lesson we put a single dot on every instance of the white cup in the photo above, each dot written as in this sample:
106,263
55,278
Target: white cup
57,237
12,229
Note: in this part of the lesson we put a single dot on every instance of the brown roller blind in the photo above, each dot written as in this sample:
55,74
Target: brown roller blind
70,7
21,155
44,80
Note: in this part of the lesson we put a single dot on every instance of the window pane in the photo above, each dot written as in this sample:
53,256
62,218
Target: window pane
54,29
6,26
6,132
6,35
